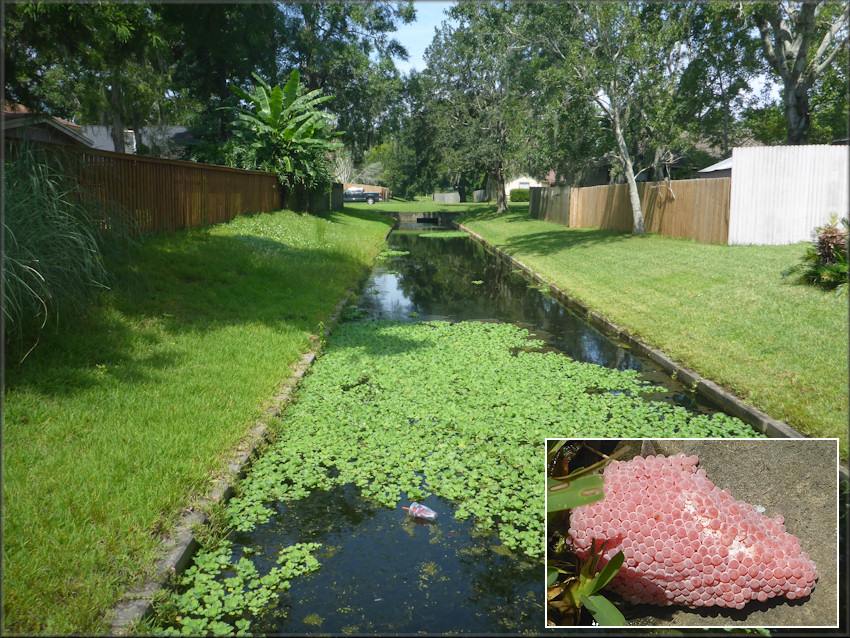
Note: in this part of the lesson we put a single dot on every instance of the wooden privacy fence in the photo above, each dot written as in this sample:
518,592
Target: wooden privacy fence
550,204
693,208
167,195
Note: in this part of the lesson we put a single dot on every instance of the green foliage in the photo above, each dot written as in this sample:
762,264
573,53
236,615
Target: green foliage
824,263
520,195
478,446
140,399
347,50
444,234
202,602
473,73
581,487
52,262
288,134
96,62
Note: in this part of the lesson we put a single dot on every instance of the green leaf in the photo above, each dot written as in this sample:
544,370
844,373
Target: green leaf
608,572
603,611
551,576
567,494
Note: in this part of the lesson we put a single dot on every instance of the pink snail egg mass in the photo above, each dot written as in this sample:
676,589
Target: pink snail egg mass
735,554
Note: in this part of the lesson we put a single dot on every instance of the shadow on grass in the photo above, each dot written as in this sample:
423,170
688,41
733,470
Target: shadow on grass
547,242
337,217
188,283
553,239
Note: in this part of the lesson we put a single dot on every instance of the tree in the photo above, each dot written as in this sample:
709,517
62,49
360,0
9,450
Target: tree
288,134
472,69
412,166
345,49
800,41
246,41
723,61
91,62
627,60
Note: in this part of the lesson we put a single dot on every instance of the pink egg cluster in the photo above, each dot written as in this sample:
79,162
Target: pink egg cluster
685,541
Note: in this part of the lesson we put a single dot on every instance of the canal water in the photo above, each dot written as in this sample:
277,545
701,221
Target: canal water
457,279
382,572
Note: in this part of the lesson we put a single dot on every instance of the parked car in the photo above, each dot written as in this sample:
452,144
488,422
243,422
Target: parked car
358,194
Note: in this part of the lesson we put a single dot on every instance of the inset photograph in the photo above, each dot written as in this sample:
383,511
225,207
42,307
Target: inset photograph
694,533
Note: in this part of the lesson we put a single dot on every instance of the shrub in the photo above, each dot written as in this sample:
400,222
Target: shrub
52,261
825,262
519,195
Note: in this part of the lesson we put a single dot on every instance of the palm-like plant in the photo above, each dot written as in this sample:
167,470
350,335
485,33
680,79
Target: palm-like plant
825,262
291,136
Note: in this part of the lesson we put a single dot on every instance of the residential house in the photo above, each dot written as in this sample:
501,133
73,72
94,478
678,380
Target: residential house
21,124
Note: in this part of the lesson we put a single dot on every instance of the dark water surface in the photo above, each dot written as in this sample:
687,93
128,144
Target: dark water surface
383,573
439,279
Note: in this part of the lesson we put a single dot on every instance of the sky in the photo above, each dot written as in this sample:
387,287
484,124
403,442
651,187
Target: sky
416,37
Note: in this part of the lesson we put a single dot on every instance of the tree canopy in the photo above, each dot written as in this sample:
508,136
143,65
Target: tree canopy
622,90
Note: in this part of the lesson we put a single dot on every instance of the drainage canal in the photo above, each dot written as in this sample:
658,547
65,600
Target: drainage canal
456,279
381,571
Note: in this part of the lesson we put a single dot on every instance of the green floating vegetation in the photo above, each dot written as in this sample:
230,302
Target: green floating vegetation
206,604
444,234
458,410
386,253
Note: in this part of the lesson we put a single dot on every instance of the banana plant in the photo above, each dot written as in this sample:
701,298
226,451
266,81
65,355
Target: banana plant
291,135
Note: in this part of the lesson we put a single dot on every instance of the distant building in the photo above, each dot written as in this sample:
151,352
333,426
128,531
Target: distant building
161,141
723,168
21,124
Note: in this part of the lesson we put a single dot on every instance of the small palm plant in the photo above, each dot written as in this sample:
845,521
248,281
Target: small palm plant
289,135
825,262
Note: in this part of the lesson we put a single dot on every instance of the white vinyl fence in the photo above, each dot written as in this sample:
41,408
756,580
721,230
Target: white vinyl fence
781,193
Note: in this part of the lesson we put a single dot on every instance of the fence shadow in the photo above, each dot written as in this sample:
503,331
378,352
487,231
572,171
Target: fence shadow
181,284
555,240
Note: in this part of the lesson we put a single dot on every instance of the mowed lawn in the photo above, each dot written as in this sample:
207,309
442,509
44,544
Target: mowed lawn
113,424
724,311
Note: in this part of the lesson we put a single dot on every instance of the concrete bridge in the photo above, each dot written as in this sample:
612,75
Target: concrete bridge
437,219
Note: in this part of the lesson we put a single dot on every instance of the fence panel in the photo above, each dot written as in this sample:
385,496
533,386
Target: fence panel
781,193
694,208
551,204
168,195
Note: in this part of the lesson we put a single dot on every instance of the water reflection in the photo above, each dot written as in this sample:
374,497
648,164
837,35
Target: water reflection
457,279
385,573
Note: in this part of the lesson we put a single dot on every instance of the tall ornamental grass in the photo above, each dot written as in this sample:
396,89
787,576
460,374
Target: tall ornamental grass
52,261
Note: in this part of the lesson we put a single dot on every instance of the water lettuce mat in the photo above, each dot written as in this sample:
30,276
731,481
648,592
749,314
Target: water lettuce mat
458,410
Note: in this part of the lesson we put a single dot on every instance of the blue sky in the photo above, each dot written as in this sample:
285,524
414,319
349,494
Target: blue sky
415,37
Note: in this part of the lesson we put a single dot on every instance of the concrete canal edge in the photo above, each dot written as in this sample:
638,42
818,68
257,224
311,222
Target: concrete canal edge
179,548
730,403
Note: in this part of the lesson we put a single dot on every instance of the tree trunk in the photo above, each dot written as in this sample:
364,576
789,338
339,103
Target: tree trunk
115,112
658,166
628,169
499,182
797,114
461,189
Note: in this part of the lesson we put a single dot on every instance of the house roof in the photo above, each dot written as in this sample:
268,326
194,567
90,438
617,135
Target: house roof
16,116
722,165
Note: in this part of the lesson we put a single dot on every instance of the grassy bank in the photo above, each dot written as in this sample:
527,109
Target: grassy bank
113,424
724,311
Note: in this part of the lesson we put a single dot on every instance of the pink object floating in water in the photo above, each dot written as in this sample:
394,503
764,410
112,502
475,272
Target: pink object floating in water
420,511
718,551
